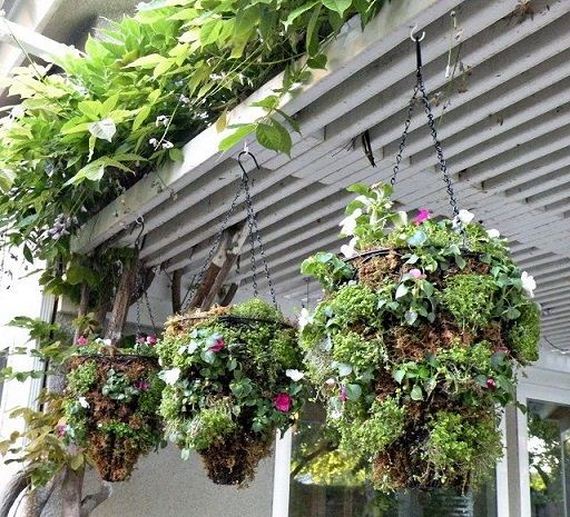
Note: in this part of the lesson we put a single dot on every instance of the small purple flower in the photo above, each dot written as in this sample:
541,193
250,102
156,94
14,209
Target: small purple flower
81,341
491,384
142,385
343,394
151,340
415,273
61,430
423,215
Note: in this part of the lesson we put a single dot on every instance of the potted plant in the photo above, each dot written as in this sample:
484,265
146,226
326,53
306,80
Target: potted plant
232,379
111,404
416,342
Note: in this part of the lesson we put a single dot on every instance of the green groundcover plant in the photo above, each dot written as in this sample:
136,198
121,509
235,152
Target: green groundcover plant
415,345
232,379
110,404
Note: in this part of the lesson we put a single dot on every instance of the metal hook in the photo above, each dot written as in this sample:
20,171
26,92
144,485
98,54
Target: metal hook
139,222
413,36
243,153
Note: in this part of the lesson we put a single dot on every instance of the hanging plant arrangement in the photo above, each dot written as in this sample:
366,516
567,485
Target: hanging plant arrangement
111,404
417,340
416,343
233,379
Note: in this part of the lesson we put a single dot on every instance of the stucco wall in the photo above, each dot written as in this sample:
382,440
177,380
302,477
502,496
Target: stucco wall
165,486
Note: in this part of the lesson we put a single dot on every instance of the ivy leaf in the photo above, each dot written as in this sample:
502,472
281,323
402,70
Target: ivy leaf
343,369
416,393
417,239
103,129
338,6
353,391
411,317
401,291
399,375
237,136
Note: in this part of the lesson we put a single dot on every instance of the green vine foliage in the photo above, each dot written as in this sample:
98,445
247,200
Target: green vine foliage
144,87
416,343
233,379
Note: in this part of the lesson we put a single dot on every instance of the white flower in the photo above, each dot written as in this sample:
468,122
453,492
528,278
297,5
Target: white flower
153,142
161,120
493,234
294,375
83,402
366,201
330,381
170,376
167,145
465,216
528,283
348,224
348,249
305,318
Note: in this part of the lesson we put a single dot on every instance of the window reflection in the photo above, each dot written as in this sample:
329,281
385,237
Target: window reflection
548,449
327,483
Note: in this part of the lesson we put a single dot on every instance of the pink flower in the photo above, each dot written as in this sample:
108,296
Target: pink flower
217,345
423,215
282,402
61,430
82,341
415,273
142,385
491,384
151,340
343,394
141,339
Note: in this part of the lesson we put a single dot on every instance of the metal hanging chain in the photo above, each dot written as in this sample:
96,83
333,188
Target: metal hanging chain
140,290
217,240
420,88
254,233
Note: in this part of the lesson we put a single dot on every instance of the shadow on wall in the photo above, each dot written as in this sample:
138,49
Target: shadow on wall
165,486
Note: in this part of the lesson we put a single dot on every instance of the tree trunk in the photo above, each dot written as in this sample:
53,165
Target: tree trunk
127,285
220,267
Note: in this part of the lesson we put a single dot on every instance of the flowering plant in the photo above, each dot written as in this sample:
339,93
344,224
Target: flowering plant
111,404
417,341
232,378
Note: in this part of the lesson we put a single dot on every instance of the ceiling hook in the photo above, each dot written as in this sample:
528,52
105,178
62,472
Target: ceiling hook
413,35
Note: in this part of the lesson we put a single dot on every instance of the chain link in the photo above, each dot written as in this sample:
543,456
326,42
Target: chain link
420,88
217,240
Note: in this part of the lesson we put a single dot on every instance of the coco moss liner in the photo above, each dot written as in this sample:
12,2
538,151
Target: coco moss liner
415,345
232,379
112,410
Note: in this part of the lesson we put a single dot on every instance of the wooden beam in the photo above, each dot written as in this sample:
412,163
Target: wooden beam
351,51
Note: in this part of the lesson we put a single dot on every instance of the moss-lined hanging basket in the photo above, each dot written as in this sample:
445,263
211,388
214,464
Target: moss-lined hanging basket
416,342
233,379
112,409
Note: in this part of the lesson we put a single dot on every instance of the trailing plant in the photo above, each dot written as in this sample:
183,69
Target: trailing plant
144,87
232,380
417,341
111,405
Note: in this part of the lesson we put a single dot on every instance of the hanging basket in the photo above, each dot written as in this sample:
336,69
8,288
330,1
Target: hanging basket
416,342
232,380
111,410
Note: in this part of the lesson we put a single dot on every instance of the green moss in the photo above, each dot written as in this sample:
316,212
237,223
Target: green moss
285,350
473,356
171,403
149,400
82,378
351,304
457,446
209,425
469,298
367,436
256,308
362,353
524,335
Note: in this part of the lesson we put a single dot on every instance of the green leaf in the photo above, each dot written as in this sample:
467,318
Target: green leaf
149,61
244,27
416,393
274,136
293,15
93,171
319,62
313,32
176,154
142,115
417,239
28,254
210,32
399,375
338,6
411,317
401,291
103,129
237,136
353,391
